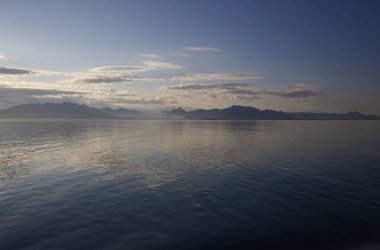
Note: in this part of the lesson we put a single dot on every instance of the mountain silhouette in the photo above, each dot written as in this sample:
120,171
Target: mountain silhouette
237,112
64,111
176,112
122,112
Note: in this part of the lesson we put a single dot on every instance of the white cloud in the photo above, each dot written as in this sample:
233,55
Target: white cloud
148,66
210,86
221,76
127,69
2,57
162,65
202,49
151,55
102,78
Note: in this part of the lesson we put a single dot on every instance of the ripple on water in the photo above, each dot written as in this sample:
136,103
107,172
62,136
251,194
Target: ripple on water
189,185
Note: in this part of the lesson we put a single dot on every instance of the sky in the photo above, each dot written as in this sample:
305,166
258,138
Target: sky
289,55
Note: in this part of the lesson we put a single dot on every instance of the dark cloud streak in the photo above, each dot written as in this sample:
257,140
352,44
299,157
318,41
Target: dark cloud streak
248,91
15,71
95,79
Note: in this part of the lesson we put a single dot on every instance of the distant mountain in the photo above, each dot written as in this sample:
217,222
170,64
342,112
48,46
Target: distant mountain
238,113
176,112
122,112
250,113
76,111
332,116
64,111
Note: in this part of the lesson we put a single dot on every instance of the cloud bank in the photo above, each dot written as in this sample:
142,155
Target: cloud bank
10,96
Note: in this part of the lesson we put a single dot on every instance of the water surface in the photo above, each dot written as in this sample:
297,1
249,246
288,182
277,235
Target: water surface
189,184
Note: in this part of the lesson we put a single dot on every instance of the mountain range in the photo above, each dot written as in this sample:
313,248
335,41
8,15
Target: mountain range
76,111
250,113
66,111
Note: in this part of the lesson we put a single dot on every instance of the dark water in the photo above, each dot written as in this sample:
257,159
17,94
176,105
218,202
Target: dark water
189,185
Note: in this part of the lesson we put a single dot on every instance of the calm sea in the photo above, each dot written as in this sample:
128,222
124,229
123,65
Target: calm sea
189,185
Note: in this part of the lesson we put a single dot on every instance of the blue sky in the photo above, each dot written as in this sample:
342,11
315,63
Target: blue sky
285,55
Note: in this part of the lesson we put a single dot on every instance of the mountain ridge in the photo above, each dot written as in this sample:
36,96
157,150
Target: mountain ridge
237,112
65,111
234,112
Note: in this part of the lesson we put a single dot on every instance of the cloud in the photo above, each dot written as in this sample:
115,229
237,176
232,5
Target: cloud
144,101
15,71
161,65
151,55
177,54
220,76
128,99
148,66
35,92
126,69
6,72
102,78
202,49
248,91
208,86
10,96
3,57
294,93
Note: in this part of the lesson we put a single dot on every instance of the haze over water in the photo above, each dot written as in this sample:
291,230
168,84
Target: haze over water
189,184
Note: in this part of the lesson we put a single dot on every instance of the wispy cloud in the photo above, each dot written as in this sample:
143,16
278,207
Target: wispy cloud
102,78
126,69
10,96
144,101
221,76
148,66
202,49
227,86
248,91
35,91
177,54
2,57
161,65
6,72
294,93
15,71
151,55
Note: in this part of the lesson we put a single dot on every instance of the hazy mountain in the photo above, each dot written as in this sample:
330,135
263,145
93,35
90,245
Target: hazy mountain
64,111
176,112
237,113
332,116
250,113
76,111
122,112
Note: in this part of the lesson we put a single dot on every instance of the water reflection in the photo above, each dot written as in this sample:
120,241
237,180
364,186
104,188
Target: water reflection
188,184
